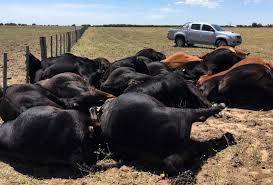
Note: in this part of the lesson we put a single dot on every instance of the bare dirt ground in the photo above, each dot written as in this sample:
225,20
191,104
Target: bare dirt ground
250,161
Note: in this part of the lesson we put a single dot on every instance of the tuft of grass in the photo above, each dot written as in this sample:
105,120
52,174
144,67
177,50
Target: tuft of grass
217,179
255,156
236,156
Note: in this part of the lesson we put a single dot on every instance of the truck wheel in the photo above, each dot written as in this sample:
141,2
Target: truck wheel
180,42
221,42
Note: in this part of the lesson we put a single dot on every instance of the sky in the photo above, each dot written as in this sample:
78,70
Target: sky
223,12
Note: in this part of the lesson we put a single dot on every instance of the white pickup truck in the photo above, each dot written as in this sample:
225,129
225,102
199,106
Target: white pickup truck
203,33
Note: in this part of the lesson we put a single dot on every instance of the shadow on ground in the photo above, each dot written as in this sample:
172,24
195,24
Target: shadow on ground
198,153
197,47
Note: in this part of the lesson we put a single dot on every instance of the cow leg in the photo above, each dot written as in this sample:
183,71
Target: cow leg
203,114
197,93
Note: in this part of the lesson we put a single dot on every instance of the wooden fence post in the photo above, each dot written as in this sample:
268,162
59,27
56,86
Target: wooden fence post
71,37
43,48
27,64
76,35
64,42
56,54
5,72
68,41
73,40
61,40
51,46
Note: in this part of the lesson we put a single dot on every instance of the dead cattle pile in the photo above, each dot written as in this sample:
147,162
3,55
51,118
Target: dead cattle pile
139,108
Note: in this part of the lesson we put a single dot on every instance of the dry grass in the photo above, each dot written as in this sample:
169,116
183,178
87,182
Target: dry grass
248,162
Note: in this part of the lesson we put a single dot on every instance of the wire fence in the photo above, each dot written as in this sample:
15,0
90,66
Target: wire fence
52,46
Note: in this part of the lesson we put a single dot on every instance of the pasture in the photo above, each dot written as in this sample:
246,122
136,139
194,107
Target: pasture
250,161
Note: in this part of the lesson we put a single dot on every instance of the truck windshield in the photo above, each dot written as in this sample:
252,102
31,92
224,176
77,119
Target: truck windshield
218,28
185,25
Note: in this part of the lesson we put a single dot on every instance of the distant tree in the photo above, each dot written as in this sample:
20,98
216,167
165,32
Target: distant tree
11,24
73,25
254,24
86,25
1,24
33,24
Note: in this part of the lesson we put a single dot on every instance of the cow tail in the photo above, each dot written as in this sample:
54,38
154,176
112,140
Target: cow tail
204,113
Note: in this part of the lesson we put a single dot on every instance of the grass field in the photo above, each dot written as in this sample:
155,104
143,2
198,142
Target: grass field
115,43
250,161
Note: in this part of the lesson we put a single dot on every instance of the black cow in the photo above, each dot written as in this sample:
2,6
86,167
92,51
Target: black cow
70,85
34,66
214,62
19,98
193,70
65,85
158,69
91,70
151,54
48,135
122,78
247,86
74,92
137,125
137,63
220,60
172,90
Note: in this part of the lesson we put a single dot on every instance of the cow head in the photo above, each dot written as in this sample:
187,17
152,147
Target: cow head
34,65
210,87
83,102
120,79
151,54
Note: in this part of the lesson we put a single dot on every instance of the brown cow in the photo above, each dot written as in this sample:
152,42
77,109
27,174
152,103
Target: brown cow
252,60
179,59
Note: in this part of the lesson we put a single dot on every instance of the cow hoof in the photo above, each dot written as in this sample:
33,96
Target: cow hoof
173,164
214,105
219,115
222,105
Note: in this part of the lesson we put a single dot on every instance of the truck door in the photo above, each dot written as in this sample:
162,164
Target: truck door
194,34
207,35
